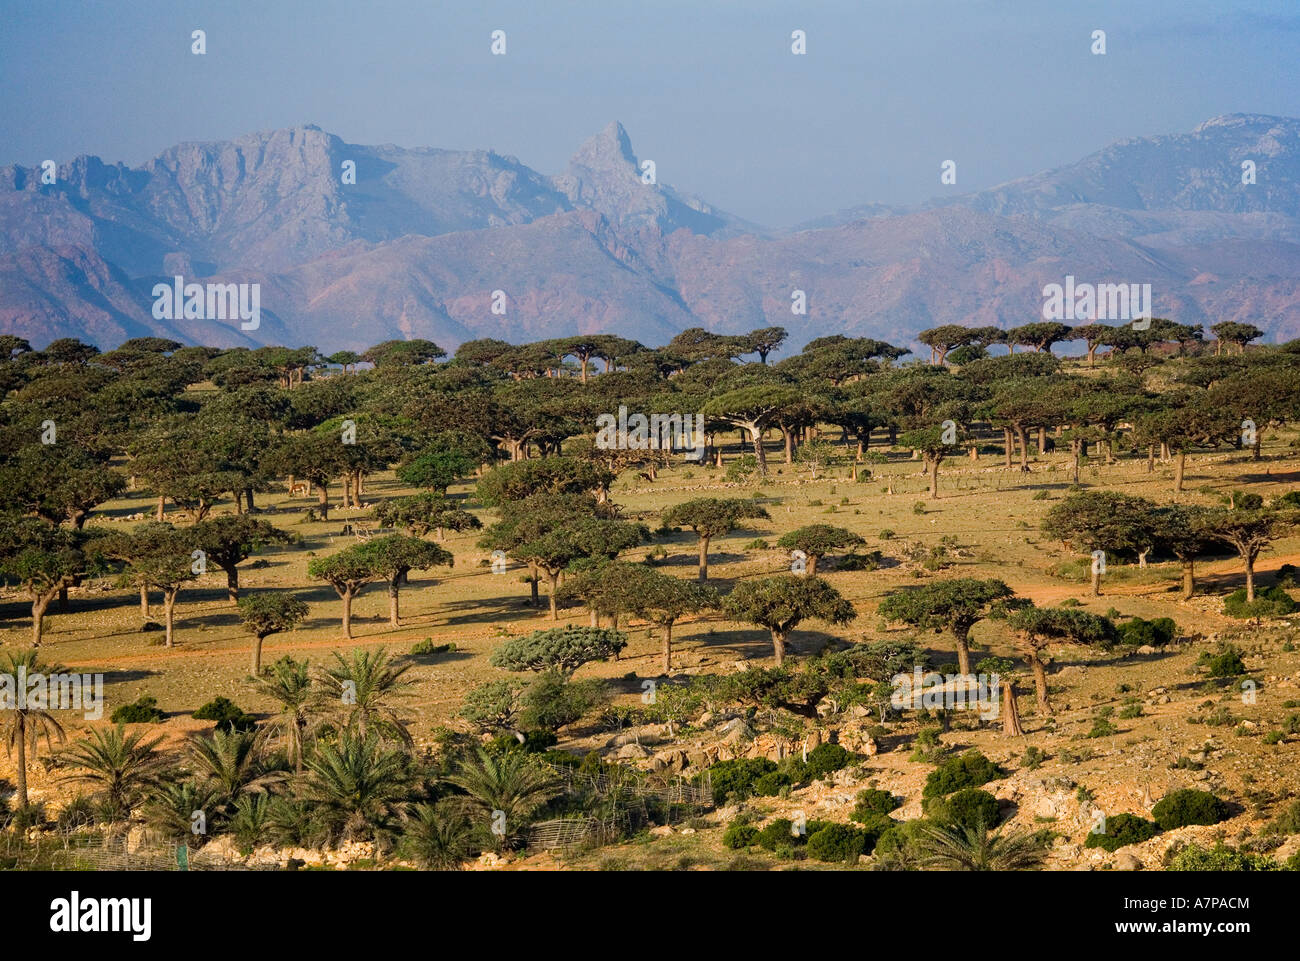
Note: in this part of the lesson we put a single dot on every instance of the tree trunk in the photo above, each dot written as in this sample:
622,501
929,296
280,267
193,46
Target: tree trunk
20,735
1010,711
1250,579
555,583
759,455
232,585
394,619
1096,580
1006,446
812,563
1189,579
158,511
932,468
668,647
963,650
789,445
533,578
257,656
249,495
169,608
704,559
1040,681
778,647
144,601
1179,466
39,607
347,615
323,501
1042,441
1022,437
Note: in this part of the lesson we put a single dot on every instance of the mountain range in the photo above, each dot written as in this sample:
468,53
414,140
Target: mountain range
418,245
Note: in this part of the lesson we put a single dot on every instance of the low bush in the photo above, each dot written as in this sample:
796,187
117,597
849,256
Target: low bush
228,715
1121,830
143,710
968,770
1188,806
1269,602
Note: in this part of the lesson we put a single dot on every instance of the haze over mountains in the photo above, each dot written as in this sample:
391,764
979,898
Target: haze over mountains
418,244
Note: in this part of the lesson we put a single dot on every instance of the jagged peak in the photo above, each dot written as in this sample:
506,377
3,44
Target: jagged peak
610,148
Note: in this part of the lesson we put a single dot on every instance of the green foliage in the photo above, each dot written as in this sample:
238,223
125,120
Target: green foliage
143,710
1188,806
1226,662
735,779
1269,602
1154,633
873,803
738,835
967,770
553,701
228,716
1193,857
968,807
837,843
1121,830
492,705
563,649
270,612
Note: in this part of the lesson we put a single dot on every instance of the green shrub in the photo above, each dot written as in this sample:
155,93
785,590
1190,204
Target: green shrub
426,647
738,836
1225,663
1219,858
1269,602
1121,829
824,759
534,742
969,807
735,779
1188,806
1154,633
968,770
552,701
143,710
837,842
1101,727
872,803
228,715
779,834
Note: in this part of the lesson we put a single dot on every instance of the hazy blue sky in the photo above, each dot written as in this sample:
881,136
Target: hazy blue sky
707,88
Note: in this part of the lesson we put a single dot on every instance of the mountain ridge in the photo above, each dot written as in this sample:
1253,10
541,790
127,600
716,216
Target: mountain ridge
422,240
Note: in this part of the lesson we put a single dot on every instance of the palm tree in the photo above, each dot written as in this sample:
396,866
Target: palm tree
358,788
975,848
24,727
122,765
361,688
171,808
438,838
231,761
289,685
503,787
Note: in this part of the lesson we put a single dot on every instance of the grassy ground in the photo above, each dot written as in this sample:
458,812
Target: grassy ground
986,519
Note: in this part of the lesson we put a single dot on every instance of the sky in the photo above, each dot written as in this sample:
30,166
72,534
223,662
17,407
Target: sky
708,89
